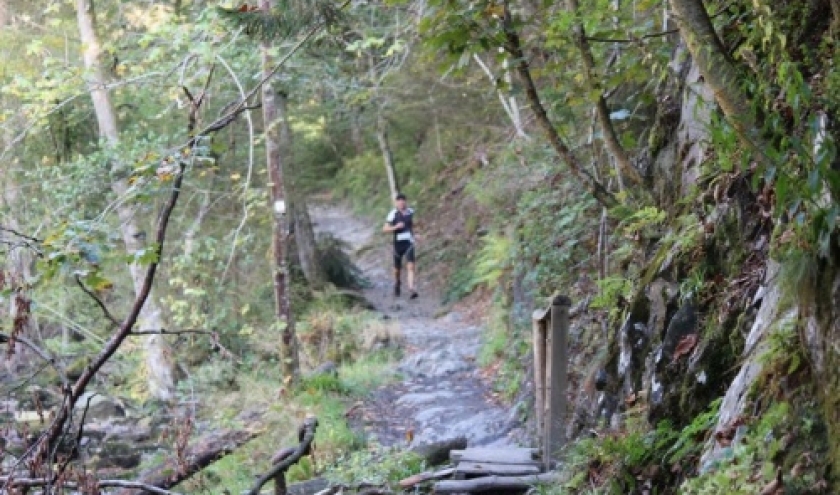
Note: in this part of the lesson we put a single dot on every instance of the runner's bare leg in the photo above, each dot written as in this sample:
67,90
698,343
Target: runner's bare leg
410,267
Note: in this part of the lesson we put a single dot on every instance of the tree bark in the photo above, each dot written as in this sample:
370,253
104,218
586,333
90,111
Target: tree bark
602,112
719,71
514,48
18,266
356,134
304,234
387,154
5,13
835,15
289,359
159,363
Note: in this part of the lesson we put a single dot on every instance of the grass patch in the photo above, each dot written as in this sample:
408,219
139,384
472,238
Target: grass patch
329,329
377,466
504,347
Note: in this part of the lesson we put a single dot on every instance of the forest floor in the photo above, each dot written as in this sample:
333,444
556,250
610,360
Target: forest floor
442,393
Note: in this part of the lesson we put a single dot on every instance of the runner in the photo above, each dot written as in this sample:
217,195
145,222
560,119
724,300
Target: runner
400,221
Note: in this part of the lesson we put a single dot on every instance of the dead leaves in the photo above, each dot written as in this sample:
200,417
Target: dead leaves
685,346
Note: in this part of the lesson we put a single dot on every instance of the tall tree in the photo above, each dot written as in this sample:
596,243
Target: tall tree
290,361
304,234
602,112
513,45
387,153
159,362
719,71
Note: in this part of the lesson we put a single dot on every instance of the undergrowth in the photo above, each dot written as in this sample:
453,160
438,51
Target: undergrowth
234,394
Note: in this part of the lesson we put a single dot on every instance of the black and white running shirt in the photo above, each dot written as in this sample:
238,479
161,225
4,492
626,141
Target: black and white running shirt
396,216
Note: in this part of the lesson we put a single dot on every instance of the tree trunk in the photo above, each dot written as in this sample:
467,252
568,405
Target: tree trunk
18,266
719,71
835,15
387,154
5,13
356,134
602,112
161,377
289,359
304,234
514,48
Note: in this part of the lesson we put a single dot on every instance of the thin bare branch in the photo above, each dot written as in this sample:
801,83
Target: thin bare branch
15,482
110,317
164,331
41,353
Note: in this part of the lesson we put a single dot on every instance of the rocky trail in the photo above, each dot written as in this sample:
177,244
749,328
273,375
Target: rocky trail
440,394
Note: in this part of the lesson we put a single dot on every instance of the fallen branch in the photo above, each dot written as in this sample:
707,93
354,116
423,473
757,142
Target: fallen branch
495,483
164,331
202,453
306,435
13,482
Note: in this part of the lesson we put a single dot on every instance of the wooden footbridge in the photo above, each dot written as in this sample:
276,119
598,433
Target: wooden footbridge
481,470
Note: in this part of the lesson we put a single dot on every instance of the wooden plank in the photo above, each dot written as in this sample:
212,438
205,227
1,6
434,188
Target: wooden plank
495,483
497,456
467,468
541,314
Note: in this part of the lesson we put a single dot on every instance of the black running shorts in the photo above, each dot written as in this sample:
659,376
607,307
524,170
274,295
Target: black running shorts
403,249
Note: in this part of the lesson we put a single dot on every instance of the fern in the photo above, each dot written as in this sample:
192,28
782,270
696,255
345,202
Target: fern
493,259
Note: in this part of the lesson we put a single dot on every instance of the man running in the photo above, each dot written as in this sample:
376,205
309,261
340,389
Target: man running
400,221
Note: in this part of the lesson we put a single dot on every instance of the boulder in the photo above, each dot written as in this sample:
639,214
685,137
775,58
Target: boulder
99,407
121,455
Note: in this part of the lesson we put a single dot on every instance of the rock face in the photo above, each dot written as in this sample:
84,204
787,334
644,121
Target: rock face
821,334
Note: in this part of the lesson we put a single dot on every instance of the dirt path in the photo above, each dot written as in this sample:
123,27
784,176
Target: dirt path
441,395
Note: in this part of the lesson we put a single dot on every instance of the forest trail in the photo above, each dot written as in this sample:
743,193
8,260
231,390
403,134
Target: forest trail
440,394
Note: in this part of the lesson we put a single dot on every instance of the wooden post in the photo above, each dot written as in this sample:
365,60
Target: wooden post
280,483
539,326
557,384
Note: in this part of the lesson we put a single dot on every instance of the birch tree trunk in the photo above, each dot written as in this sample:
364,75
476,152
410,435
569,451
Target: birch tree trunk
289,359
387,154
18,262
719,71
159,362
5,13
356,135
